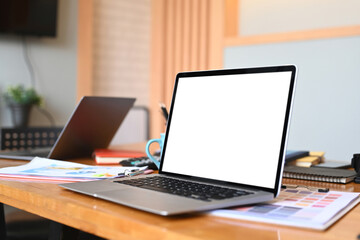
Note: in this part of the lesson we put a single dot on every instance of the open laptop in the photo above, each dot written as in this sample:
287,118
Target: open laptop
92,124
226,136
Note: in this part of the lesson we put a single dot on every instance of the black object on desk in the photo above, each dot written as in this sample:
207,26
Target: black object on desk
340,165
355,163
139,162
28,138
292,155
287,186
164,111
319,174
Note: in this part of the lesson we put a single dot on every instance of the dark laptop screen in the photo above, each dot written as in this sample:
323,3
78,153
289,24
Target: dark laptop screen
230,125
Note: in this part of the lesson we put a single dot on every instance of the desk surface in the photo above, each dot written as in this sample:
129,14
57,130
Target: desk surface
114,221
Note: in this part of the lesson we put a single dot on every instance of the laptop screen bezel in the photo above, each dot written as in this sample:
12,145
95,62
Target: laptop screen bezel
255,70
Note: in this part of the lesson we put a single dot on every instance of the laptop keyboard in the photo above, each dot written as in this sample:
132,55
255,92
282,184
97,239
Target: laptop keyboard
185,188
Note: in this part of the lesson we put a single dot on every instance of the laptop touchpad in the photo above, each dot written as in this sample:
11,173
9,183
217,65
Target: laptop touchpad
138,197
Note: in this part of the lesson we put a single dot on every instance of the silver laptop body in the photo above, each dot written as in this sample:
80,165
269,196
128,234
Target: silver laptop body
226,128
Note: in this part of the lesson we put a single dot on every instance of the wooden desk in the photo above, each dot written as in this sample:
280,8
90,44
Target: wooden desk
114,221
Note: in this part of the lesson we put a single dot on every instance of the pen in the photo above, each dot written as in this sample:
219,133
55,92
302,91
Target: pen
164,111
135,172
131,174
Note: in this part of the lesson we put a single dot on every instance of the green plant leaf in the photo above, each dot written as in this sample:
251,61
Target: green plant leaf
18,94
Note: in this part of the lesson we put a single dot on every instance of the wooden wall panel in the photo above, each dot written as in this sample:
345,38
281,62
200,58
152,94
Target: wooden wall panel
186,31
85,41
231,18
189,35
170,35
194,30
203,34
235,37
216,34
158,57
305,35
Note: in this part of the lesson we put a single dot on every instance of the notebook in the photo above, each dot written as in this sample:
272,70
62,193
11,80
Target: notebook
217,123
320,174
92,125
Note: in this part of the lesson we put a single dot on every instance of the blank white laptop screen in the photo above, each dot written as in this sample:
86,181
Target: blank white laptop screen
228,127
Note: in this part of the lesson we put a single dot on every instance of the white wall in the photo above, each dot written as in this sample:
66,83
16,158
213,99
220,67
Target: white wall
326,113
263,16
54,61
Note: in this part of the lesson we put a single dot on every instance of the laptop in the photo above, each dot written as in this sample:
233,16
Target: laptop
224,146
92,124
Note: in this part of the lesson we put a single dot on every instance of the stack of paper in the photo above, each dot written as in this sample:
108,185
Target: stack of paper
47,170
299,208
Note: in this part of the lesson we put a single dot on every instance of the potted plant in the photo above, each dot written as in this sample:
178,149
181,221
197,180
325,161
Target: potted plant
20,101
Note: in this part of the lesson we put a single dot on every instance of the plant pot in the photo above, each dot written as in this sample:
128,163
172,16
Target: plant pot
20,114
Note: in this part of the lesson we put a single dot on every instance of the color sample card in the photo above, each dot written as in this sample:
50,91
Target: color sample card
298,207
43,168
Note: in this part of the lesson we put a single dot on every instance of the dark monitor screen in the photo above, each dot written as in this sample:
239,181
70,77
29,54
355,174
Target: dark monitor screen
28,17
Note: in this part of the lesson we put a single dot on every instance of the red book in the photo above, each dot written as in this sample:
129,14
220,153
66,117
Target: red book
112,156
